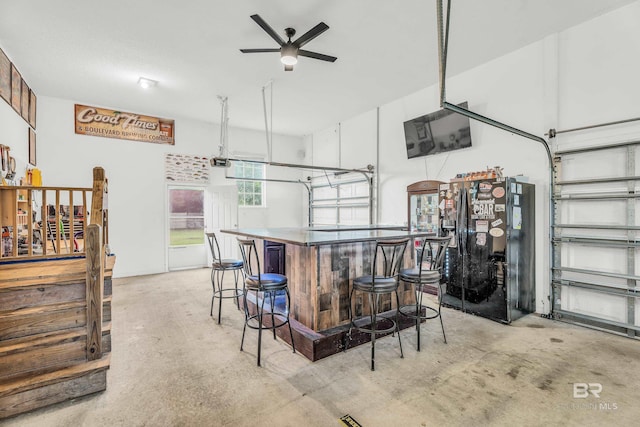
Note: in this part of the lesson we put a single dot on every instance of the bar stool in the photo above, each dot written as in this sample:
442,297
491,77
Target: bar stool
390,255
264,286
218,267
432,256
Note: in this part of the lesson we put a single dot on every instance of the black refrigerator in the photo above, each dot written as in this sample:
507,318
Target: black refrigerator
490,264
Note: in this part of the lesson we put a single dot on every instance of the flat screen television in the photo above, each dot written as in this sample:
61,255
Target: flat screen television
437,132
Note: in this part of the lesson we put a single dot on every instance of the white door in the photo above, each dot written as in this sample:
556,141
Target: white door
225,215
187,248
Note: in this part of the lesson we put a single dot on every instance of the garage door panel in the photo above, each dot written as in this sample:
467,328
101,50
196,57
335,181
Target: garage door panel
594,304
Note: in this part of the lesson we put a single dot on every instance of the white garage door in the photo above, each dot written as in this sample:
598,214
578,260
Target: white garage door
596,245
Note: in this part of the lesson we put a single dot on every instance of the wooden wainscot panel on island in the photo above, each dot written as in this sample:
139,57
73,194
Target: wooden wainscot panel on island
320,265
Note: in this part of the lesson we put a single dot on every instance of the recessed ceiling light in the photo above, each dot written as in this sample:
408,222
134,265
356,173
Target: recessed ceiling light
146,83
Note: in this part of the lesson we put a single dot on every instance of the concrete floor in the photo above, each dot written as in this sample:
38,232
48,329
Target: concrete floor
172,365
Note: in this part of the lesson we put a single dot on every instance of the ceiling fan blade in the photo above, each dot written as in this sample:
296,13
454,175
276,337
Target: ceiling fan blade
268,29
311,34
315,55
288,67
259,50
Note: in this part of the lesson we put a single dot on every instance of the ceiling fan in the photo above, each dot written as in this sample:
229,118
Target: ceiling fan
290,50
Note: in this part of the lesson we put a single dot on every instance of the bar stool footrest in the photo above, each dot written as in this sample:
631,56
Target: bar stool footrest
367,327
429,312
220,293
253,323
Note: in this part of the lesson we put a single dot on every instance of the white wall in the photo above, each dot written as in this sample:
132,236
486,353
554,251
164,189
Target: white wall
585,75
137,199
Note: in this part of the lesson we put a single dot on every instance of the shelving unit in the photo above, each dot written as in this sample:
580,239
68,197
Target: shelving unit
596,243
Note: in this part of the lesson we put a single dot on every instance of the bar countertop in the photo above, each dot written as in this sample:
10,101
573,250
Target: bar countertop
314,236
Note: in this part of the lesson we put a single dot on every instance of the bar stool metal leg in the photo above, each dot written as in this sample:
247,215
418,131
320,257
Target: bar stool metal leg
398,324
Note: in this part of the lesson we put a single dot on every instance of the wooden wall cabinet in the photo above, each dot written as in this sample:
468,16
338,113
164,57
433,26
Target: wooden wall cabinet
274,255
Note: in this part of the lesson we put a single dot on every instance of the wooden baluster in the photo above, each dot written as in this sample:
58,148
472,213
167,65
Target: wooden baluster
72,239
57,223
84,220
44,228
30,222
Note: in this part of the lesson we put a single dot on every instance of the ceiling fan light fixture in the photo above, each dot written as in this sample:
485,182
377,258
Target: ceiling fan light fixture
146,83
289,54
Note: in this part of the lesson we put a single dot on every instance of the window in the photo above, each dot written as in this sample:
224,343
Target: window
250,193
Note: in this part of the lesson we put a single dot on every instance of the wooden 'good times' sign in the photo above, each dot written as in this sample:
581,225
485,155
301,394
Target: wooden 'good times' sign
96,121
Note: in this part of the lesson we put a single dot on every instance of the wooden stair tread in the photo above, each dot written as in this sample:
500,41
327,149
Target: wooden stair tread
24,342
18,385
44,269
38,340
37,282
45,308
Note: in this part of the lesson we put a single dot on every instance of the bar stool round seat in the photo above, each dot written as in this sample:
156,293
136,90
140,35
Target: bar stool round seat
431,255
218,268
376,285
228,264
389,256
270,293
268,281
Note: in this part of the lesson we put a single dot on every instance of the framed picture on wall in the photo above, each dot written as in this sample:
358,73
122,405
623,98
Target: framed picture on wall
16,87
32,147
24,101
32,109
5,77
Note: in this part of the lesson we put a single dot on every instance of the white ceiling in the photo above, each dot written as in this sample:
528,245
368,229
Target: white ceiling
93,52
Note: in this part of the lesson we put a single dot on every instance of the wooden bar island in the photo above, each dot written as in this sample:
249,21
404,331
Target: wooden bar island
320,264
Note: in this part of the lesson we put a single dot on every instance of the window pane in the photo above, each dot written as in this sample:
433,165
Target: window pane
257,187
249,199
186,231
257,200
186,202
